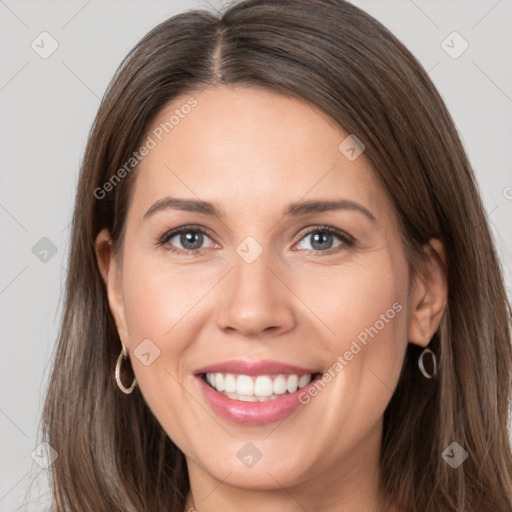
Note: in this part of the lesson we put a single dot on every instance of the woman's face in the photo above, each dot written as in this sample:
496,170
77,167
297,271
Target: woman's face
275,286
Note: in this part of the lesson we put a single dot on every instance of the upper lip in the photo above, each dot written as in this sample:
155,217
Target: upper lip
247,367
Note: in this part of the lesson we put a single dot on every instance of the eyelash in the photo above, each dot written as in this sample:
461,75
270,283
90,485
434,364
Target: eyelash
348,241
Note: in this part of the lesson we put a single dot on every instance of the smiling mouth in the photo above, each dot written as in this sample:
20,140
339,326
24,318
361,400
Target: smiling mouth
257,388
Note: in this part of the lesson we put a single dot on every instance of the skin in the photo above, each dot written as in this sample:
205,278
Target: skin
253,152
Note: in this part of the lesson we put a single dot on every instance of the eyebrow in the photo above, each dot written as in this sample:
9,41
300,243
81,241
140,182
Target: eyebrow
294,210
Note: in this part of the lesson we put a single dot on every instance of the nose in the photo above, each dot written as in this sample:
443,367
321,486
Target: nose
255,299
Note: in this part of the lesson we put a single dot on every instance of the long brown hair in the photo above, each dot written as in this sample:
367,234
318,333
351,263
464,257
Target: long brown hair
113,454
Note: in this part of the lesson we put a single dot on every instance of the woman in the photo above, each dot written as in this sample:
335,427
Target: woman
282,290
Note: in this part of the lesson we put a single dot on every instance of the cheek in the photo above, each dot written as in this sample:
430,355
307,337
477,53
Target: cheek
165,304
365,308
156,301
162,305
360,301
160,299
363,311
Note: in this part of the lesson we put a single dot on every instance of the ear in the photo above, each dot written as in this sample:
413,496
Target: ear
110,269
428,295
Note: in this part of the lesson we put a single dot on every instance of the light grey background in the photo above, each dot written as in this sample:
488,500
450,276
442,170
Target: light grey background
46,110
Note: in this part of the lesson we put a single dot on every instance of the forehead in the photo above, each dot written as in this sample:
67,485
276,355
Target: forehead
246,148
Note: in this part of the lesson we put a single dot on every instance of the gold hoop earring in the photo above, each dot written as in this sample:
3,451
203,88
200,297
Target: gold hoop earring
124,356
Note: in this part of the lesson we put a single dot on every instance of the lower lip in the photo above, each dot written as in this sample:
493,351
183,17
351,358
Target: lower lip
252,413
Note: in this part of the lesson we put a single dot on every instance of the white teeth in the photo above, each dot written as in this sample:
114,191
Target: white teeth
230,383
244,385
304,381
243,398
291,383
219,382
260,388
247,398
279,385
263,386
